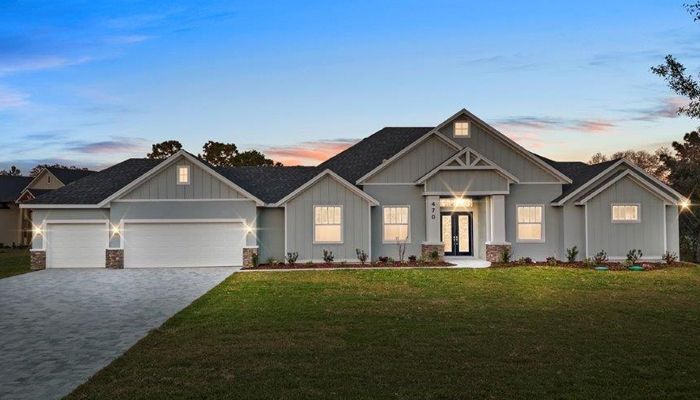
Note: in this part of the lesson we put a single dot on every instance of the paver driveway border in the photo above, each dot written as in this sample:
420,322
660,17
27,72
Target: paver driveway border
59,327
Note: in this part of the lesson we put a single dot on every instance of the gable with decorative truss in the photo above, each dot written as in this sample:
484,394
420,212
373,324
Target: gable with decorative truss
465,160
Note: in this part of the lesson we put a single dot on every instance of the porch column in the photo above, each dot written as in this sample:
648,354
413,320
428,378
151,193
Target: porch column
433,243
497,243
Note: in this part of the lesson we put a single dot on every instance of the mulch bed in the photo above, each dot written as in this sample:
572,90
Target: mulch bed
612,266
417,264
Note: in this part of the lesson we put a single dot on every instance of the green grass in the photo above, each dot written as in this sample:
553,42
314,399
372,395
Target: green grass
13,262
520,333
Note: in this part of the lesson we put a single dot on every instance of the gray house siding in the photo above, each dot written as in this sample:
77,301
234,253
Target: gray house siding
416,163
271,234
618,238
672,230
184,210
535,194
300,221
500,153
574,229
40,216
469,181
398,195
10,223
163,185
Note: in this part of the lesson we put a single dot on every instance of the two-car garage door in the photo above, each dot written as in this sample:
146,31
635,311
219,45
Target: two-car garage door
177,244
148,244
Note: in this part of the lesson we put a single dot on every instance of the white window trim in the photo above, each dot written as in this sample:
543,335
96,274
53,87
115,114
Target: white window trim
626,221
342,224
517,237
393,241
469,129
189,175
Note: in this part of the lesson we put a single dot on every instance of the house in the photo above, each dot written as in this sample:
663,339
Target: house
47,180
461,188
10,214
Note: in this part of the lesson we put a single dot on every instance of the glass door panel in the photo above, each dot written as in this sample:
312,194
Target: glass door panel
447,232
464,240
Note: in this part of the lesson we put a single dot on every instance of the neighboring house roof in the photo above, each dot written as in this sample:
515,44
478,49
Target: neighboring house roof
269,184
68,175
38,192
11,187
358,160
96,187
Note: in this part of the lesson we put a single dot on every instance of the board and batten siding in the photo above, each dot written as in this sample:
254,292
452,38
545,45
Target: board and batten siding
40,216
466,181
618,238
535,195
416,162
484,142
163,185
300,221
47,180
271,234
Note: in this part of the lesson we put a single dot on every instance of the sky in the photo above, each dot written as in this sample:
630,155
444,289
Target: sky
92,83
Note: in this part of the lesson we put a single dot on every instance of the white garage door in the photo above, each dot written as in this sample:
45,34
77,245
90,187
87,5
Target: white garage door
76,245
177,244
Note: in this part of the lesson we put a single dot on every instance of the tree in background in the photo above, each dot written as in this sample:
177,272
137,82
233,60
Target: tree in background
165,149
674,74
13,171
254,157
646,160
35,171
219,154
684,167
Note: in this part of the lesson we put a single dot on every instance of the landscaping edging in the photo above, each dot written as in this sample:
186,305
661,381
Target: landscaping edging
612,266
321,266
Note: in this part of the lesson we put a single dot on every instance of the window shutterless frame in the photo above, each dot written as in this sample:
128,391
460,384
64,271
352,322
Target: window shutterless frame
518,223
408,225
183,174
638,206
313,226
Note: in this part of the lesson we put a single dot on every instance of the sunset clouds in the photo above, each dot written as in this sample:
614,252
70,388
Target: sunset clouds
308,153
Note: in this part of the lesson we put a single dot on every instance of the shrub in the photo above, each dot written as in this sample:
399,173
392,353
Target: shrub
292,257
506,255
525,260
328,256
390,260
572,254
383,259
633,256
600,257
271,261
361,255
670,257
552,261
412,258
434,255
255,259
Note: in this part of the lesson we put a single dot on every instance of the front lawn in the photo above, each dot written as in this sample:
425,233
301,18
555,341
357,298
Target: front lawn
13,262
530,333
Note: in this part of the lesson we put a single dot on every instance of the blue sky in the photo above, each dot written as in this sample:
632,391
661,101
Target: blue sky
91,83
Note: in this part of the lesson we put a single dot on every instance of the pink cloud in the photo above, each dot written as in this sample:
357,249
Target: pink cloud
308,153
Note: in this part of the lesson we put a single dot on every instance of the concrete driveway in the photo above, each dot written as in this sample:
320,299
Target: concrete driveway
59,327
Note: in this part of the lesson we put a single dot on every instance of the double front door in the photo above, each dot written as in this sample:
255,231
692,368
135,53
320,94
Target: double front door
456,229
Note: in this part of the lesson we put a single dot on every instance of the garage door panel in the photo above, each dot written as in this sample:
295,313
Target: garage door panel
76,245
183,244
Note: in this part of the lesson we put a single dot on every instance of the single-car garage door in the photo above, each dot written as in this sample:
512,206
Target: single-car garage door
76,245
183,244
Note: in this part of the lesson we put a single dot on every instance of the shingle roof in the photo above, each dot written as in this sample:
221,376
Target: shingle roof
96,187
579,172
269,184
11,187
68,175
366,155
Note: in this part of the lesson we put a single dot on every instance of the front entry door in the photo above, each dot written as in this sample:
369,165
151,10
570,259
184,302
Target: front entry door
456,228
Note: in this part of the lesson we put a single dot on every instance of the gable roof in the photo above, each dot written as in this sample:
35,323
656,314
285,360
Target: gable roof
11,187
366,155
475,159
68,175
94,188
334,176
645,184
579,172
268,183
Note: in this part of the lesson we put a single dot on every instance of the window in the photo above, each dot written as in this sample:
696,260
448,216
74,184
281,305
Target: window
622,213
396,227
183,175
530,223
328,224
461,128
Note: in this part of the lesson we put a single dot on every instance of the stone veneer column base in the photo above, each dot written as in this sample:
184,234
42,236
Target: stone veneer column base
37,259
494,251
248,253
114,258
427,249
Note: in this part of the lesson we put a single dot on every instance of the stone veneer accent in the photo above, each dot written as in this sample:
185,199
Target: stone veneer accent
37,259
114,258
248,253
494,251
427,249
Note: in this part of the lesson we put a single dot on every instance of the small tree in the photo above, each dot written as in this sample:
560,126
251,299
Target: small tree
633,256
328,256
362,256
600,257
292,257
13,171
572,254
